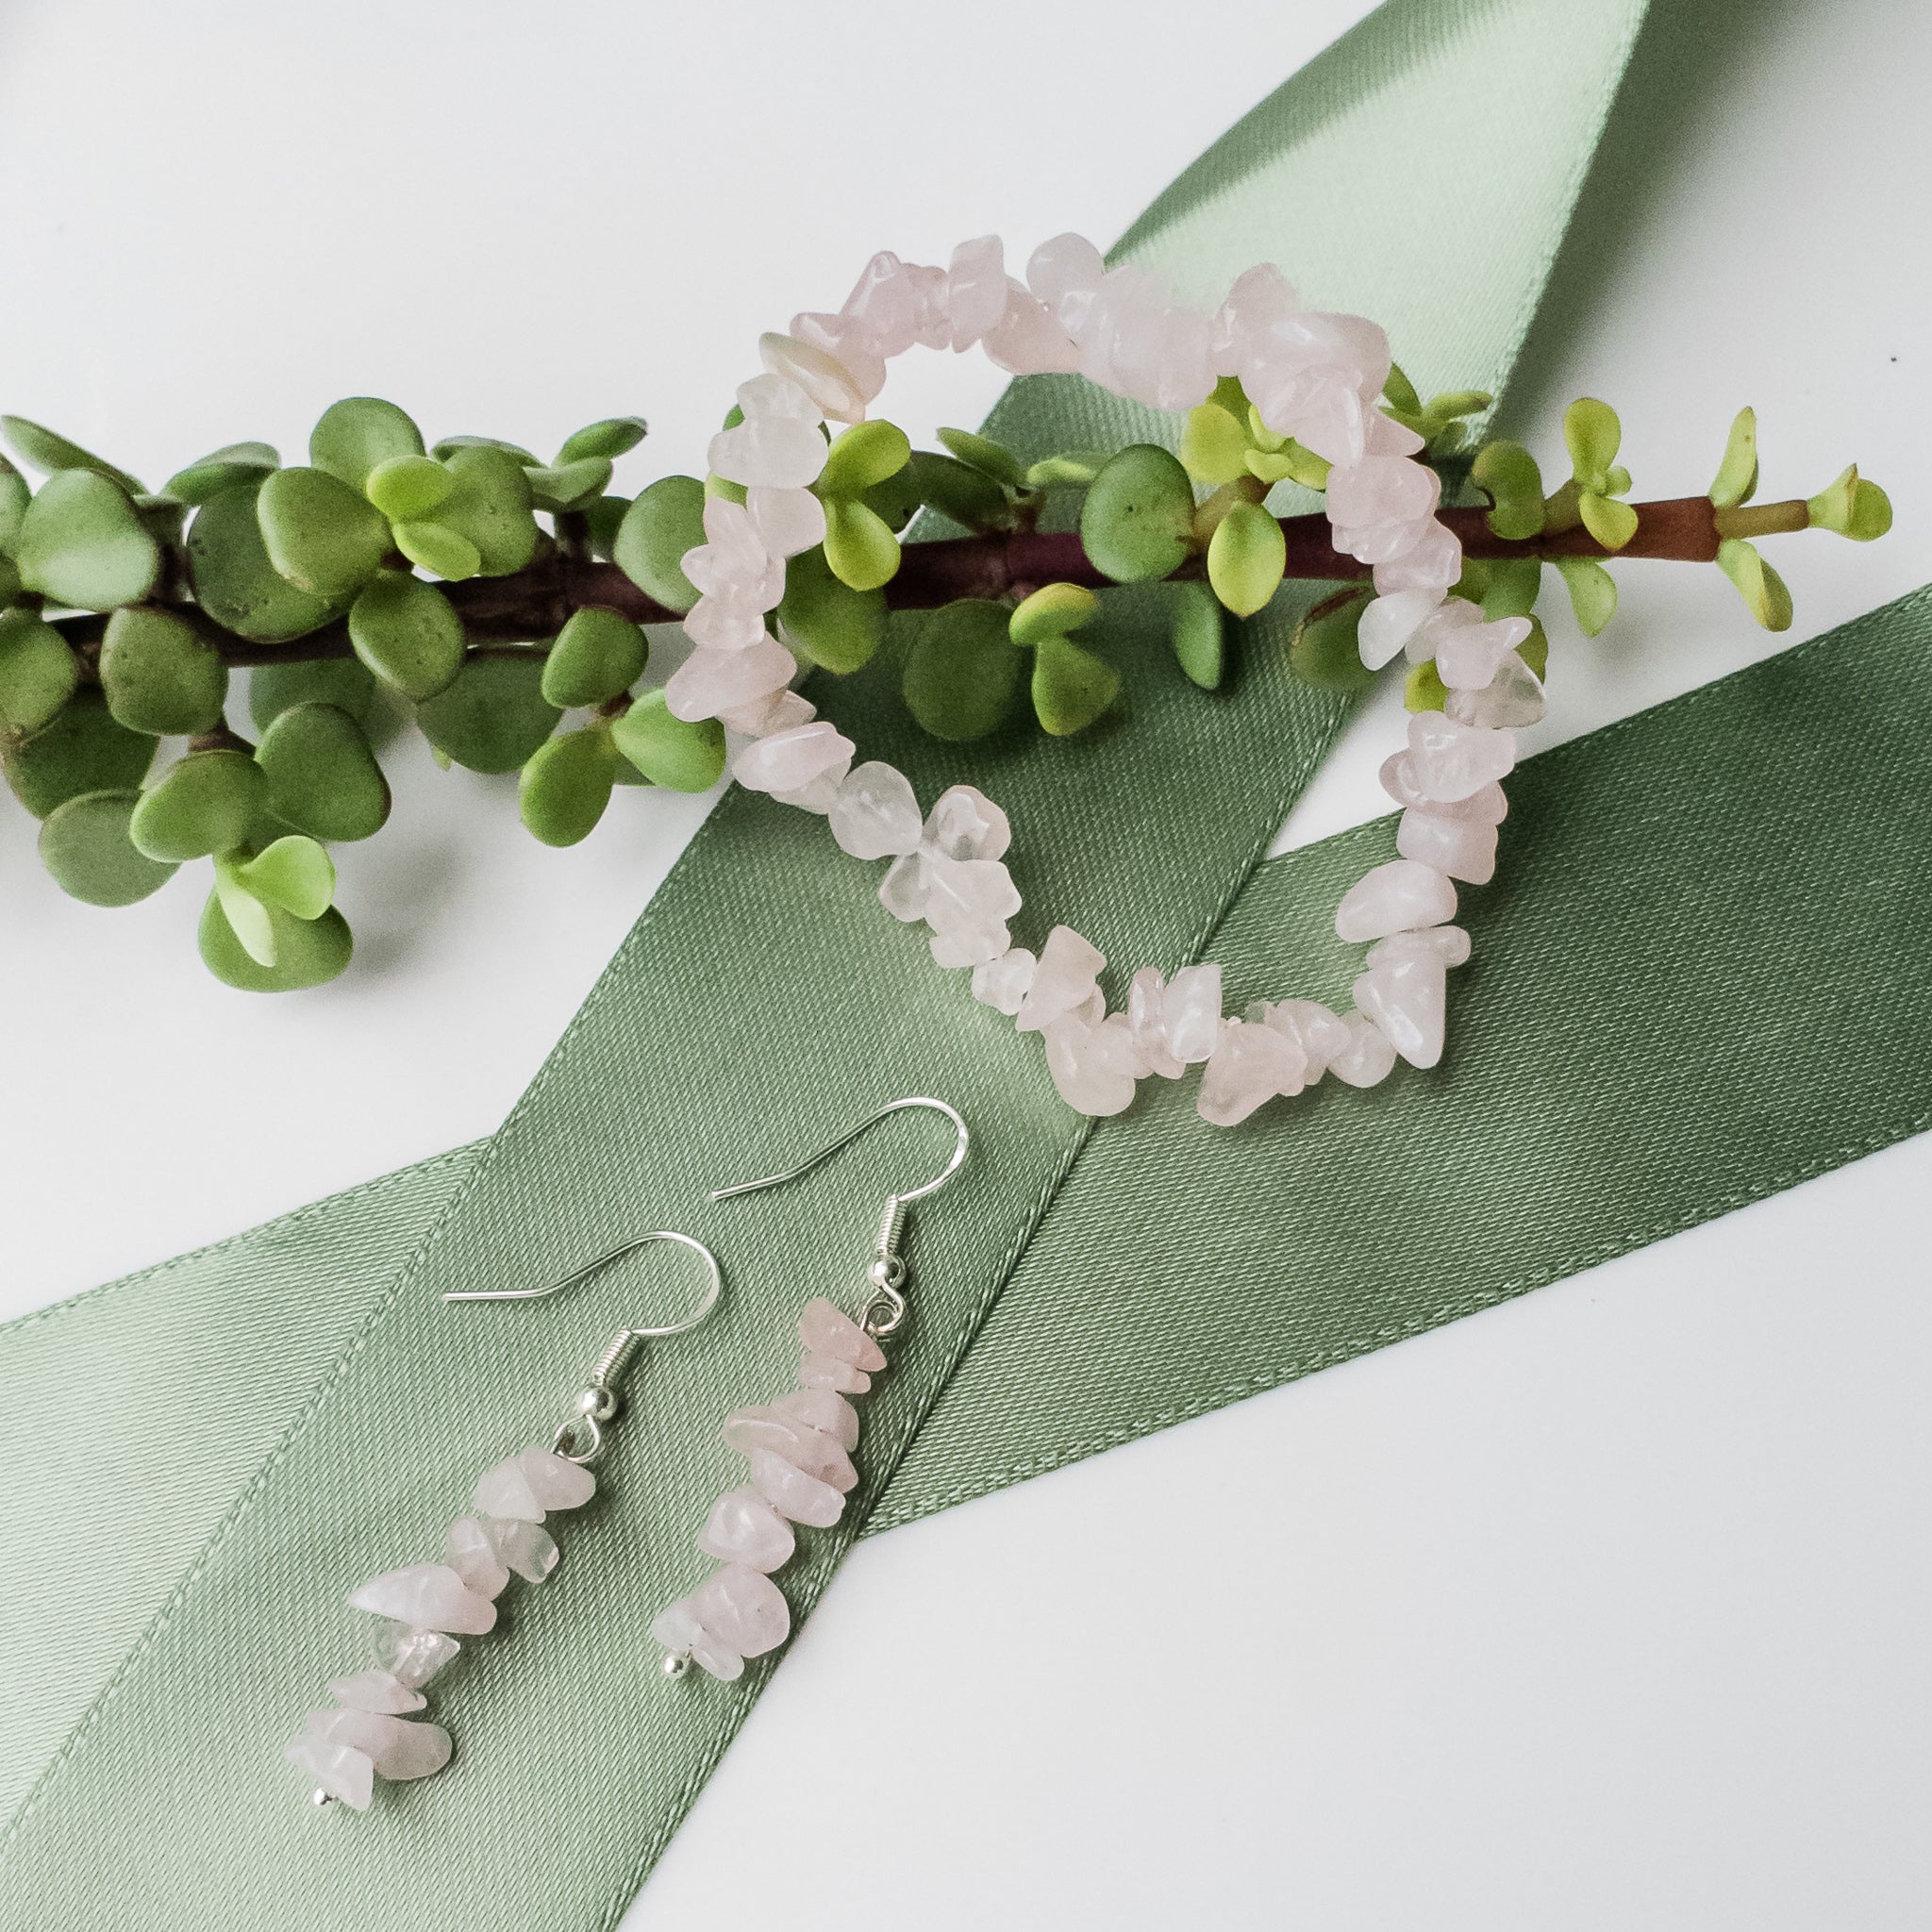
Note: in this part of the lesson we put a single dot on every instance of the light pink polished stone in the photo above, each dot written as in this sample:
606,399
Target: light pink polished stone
784,520
1404,998
504,1489
828,1330
680,1631
375,1690
1095,1068
1062,264
1433,563
555,1480
789,761
771,452
825,1410
398,1749
411,1656
742,1609
710,681
842,339
1448,762
793,1494
954,946
1390,621
1249,1066
1487,806
744,1528
777,710
816,1454
964,824
1458,847
338,1769
1148,1024
819,373
1368,1057
1002,983
1193,1010
1064,980
1448,943
532,1553
828,1371
469,1549
1319,1032
876,814
1029,339
1394,898
430,1596
969,892
975,289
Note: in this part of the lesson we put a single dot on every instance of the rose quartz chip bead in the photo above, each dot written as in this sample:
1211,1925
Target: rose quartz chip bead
799,1453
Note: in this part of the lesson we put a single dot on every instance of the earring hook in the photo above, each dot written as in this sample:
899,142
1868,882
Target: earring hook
886,1307
581,1438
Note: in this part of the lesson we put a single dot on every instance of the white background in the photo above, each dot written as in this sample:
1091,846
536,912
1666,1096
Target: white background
1604,1609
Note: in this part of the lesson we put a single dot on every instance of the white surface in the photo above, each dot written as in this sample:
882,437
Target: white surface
1603,1609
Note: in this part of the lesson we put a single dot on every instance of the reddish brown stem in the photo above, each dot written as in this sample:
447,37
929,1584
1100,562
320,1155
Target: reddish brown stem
533,604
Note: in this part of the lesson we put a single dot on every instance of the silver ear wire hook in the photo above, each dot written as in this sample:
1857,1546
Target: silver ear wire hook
885,1308
581,1435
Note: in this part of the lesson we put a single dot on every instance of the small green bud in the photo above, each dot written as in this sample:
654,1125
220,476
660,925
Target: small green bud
1246,557
1071,687
1761,588
1612,523
1737,475
1591,434
1851,506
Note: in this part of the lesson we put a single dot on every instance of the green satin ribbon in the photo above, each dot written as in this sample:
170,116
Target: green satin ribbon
232,1440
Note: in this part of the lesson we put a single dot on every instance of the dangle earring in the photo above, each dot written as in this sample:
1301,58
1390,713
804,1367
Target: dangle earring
800,1446
427,1607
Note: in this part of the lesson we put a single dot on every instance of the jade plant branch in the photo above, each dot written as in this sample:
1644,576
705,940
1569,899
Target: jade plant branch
532,604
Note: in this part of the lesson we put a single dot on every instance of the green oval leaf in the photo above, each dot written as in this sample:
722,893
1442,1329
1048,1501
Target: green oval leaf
343,682
862,455
989,457
229,468
1509,474
1612,523
1071,687
235,582
403,488
603,519
1592,435
320,774
1761,588
450,444
1051,611
434,547
306,952
1214,445
963,671
490,506
82,543
831,622
1199,635
293,874
160,674
598,655
45,450
323,536
14,498
37,672
355,435
407,633
564,487
661,524
1325,650
1511,588
1246,557
960,493
667,749
861,550
1737,475
79,749
613,437
1138,518
494,716
1592,592
85,847
566,785
202,804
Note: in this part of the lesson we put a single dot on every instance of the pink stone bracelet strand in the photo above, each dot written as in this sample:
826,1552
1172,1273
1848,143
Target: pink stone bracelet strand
1311,376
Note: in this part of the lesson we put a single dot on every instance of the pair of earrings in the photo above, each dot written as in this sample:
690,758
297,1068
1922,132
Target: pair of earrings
799,1448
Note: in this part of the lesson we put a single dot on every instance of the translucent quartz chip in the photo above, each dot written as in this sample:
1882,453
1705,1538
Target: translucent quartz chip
1392,898
1403,994
396,1748
340,1769
883,306
965,823
531,1552
777,710
1381,489
789,761
769,452
1486,806
828,1371
711,682
1148,1024
1095,1067
1193,1013
841,337
876,812
750,1431
1250,1065
954,946
744,1528
680,1631
740,1608
826,381
1066,978
1512,699
1368,1056
1002,983
784,520
719,625
1260,298
1432,563
1390,621
968,893
1448,943
1029,339
409,1655
975,289
819,796
825,1410
773,393
469,1549
375,1690
555,1480
904,889
1066,262
430,1596
504,1489
825,1330
1448,762
1461,848
793,1494
1320,1034
1469,656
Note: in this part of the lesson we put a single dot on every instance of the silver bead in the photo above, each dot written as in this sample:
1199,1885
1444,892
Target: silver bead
677,1666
